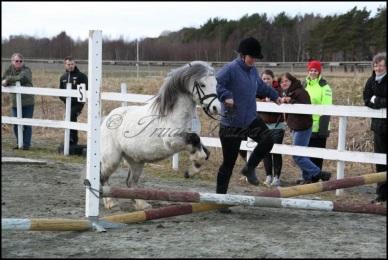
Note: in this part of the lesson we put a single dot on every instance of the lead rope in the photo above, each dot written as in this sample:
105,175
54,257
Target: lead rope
94,191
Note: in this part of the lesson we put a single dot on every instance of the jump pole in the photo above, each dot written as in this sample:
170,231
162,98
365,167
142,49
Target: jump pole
324,186
54,224
278,192
234,200
108,222
263,201
164,212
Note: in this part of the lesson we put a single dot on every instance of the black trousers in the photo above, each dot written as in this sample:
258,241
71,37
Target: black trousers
273,160
231,138
380,146
319,142
76,110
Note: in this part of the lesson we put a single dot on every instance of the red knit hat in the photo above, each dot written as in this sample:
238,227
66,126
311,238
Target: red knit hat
314,64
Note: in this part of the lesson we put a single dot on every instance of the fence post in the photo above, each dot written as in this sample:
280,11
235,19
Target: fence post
19,114
94,118
123,92
341,147
175,161
67,119
137,58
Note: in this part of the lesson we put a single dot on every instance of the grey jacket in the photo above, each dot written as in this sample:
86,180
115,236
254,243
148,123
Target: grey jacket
25,77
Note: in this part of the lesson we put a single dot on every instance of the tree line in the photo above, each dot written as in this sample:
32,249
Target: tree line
352,36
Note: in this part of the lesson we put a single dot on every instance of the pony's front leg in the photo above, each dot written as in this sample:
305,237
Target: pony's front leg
136,169
107,167
198,154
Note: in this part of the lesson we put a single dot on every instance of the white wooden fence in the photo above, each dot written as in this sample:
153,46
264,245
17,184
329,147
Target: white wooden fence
339,154
334,110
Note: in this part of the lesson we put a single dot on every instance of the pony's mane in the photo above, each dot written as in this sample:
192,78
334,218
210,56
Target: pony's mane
177,83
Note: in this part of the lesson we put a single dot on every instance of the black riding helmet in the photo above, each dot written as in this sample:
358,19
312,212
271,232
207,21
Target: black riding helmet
250,46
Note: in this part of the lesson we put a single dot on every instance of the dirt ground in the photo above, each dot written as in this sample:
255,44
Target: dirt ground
56,190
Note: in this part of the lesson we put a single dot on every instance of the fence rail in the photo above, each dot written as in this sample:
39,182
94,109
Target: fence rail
348,66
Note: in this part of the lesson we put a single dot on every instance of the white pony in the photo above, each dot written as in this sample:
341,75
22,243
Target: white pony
157,130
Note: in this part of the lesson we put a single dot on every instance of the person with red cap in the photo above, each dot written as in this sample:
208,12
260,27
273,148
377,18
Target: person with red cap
320,94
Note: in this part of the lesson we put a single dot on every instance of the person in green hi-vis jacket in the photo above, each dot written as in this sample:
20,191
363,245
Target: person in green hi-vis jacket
320,94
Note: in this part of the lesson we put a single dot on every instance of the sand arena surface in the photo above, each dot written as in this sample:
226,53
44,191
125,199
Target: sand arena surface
56,190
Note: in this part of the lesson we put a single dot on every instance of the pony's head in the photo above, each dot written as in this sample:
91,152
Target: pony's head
204,89
197,80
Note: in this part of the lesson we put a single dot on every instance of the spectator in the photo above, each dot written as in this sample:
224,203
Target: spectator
17,71
238,84
320,94
375,96
74,76
300,125
273,162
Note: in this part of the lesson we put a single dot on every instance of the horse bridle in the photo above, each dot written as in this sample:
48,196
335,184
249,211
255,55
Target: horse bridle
202,97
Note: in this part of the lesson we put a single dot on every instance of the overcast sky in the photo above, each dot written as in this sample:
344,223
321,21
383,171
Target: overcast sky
133,20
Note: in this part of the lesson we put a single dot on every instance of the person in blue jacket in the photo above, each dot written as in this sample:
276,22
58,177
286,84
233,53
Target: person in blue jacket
238,84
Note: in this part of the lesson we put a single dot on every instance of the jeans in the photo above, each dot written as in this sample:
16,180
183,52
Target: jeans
27,112
309,169
319,142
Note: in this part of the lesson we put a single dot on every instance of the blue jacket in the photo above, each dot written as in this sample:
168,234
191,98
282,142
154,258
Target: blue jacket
240,82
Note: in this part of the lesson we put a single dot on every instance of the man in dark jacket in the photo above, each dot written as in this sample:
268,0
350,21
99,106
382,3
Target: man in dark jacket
375,96
74,76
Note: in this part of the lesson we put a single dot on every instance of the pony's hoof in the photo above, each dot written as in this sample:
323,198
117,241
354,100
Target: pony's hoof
109,203
243,179
142,205
207,152
187,175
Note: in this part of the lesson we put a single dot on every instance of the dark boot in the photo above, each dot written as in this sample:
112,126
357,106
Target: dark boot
225,210
322,175
250,174
381,192
243,154
207,152
223,178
